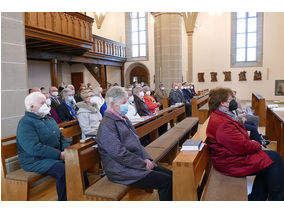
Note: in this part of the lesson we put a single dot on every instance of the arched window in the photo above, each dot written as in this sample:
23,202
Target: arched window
247,33
137,35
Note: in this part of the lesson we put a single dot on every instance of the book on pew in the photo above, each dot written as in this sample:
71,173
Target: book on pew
193,145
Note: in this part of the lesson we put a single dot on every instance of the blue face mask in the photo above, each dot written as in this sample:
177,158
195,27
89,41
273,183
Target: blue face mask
70,98
123,109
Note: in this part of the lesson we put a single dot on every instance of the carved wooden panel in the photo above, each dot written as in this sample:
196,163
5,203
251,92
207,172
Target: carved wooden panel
227,76
213,76
200,77
242,76
257,76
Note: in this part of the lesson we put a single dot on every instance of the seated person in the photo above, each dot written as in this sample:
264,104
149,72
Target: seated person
101,101
191,87
125,161
186,93
52,111
40,143
78,97
161,93
150,100
132,112
89,115
176,96
234,154
55,101
140,104
67,109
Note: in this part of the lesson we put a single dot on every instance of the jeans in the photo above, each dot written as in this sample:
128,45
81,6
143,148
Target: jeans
268,183
58,172
254,134
160,178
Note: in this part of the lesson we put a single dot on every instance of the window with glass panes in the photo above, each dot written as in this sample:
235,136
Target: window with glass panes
246,39
138,34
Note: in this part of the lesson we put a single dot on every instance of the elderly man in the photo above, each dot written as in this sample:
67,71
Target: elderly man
55,101
176,96
40,143
186,93
161,93
36,89
125,160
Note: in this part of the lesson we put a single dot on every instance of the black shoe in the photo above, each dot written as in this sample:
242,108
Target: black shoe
265,143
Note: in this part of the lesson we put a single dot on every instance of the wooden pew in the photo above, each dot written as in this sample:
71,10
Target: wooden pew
195,179
71,129
202,92
165,103
259,106
82,157
200,107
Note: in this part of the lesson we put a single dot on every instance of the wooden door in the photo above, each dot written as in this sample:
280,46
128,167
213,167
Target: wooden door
76,79
139,74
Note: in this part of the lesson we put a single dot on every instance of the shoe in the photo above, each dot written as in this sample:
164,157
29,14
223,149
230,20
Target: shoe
265,143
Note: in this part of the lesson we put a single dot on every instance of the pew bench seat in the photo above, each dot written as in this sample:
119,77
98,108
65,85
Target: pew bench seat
22,175
204,107
225,188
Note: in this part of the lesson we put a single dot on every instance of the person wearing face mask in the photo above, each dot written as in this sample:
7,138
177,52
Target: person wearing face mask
125,160
234,154
55,101
101,101
161,93
186,94
140,105
67,109
132,114
89,115
52,113
40,143
150,100
249,125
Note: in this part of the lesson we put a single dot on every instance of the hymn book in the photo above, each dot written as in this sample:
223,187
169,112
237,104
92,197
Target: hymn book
193,145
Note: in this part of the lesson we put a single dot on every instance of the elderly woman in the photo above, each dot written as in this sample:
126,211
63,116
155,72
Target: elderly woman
52,111
142,108
40,143
125,160
89,115
67,109
150,100
101,101
234,154
132,114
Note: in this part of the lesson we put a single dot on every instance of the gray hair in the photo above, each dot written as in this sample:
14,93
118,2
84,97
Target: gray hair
146,88
65,91
33,99
137,89
97,90
115,94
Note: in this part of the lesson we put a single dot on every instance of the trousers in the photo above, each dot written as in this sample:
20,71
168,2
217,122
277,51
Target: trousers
159,178
254,134
58,172
268,183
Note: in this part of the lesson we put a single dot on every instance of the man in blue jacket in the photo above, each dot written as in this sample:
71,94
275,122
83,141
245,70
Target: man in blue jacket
40,143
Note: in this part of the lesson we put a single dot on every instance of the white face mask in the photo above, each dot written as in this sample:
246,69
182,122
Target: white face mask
95,100
148,93
54,94
162,88
182,87
176,87
131,98
44,110
141,94
48,102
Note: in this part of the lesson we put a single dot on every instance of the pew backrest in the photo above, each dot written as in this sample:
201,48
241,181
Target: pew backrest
71,129
259,107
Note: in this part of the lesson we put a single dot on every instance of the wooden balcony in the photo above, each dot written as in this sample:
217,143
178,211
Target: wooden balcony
66,32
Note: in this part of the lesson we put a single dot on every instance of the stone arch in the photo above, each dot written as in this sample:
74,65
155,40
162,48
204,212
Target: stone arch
131,67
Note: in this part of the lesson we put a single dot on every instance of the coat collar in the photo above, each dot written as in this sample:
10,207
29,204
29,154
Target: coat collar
112,116
219,113
33,115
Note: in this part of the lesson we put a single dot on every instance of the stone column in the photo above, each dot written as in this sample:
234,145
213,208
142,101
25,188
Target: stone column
14,74
168,48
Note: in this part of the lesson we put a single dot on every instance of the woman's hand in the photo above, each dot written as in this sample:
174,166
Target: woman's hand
149,164
62,156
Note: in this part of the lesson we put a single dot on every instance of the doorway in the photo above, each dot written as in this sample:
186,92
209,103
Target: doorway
76,79
139,74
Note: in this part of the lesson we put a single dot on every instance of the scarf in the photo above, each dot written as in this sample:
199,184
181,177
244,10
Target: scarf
230,114
71,109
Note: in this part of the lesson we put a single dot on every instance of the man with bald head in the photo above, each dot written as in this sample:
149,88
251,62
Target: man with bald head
55,101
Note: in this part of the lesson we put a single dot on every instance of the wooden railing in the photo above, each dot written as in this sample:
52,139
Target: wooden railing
69,24
108,47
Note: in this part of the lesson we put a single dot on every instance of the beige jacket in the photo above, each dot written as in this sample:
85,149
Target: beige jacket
160,94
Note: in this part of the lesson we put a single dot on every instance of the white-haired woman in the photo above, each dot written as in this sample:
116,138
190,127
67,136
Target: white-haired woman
89,115
40,143
100,100
67,109
125,160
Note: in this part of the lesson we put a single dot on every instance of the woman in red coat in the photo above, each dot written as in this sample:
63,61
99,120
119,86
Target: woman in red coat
149,100
234,154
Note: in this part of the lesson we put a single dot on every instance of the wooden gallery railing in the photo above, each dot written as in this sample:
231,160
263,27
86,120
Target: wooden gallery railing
108,47
64,27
